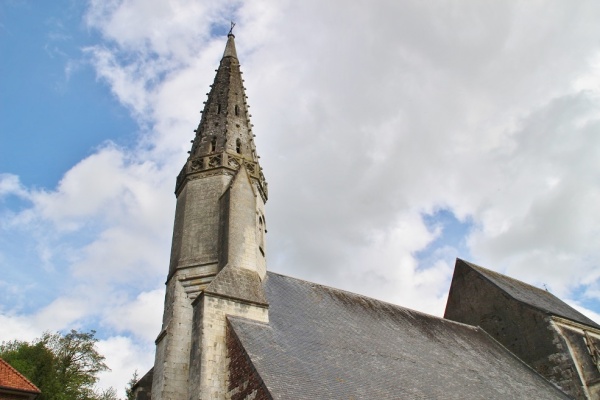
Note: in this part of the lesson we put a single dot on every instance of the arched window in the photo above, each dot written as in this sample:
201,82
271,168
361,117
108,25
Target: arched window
213,144
238,146
237,110
218,109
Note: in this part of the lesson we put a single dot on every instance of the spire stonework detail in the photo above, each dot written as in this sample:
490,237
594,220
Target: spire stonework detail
224,135
218,258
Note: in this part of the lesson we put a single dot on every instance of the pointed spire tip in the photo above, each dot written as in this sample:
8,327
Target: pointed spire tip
230,46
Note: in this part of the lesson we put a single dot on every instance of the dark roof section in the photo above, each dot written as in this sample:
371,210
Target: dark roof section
145,381
324,343
12,379
531,295
238,283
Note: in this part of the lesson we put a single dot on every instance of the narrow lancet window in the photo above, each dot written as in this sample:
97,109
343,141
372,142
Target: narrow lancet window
237,110
218,109
213,144
238,146
261,235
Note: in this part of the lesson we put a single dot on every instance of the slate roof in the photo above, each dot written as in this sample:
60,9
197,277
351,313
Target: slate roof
531,295
12,379
324,343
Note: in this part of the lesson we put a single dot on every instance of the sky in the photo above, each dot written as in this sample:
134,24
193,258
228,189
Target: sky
395,136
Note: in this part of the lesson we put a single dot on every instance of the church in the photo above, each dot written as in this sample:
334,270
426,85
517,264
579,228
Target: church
233,330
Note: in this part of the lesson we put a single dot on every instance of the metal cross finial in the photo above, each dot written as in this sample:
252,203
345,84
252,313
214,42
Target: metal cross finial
231,30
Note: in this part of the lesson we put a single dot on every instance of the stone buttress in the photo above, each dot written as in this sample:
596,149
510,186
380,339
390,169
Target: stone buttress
218,254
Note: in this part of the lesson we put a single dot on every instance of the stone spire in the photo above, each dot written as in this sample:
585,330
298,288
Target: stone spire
218,254
224,137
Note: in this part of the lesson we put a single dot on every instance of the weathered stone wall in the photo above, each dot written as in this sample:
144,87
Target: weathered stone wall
171,364
141,394
584,346
196,227
209,378
194,262
244,381
524,330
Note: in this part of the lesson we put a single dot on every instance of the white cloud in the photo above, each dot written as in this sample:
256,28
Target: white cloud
543,217
468,107
101,237
141,316
386,267
595,316
61,313
85,190
11,185
17,327
123,357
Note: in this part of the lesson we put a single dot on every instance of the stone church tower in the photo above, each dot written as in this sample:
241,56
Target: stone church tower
218,250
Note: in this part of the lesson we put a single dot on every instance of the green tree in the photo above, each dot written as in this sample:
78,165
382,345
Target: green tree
108,394
129,389
63,367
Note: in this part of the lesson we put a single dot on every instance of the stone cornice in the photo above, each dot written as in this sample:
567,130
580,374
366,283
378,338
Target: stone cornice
223,163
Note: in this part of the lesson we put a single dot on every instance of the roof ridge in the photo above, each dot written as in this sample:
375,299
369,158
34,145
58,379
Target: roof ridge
33,388
504,276
249,320
374,299
542,300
